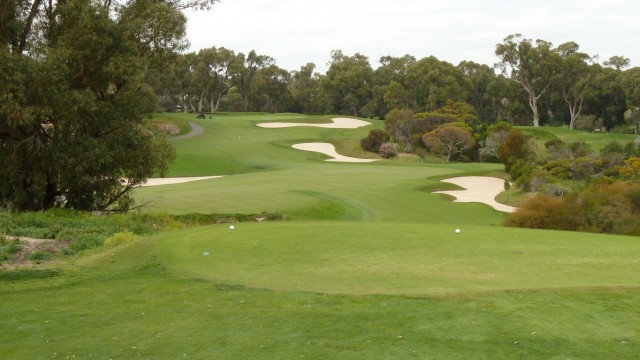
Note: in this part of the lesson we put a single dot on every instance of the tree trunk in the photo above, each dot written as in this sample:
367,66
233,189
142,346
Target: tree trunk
536,115
185,103
200,103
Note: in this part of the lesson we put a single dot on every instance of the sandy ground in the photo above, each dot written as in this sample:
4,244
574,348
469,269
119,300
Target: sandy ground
481,189
178,180
330,150
338,123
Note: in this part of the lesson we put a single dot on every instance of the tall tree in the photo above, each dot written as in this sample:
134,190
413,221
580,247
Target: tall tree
348,82
244,80
216,70
304,89
73,99
432,82
632,91
479,78
270,89
574,78
617,62
606,98
532,65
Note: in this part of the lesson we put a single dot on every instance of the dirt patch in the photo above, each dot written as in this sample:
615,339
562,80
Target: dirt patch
32,251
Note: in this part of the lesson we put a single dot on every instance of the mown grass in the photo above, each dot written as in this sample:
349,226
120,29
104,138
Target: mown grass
597,141
367,266
398,259
131,303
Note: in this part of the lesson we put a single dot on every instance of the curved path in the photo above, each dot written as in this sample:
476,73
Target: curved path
482,189
195,131
338,123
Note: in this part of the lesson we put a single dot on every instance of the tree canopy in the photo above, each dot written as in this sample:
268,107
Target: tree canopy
72,110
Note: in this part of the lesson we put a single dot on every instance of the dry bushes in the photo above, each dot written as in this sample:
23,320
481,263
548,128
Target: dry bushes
603,208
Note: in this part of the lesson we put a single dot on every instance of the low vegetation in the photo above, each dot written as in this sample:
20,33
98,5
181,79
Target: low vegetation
26,238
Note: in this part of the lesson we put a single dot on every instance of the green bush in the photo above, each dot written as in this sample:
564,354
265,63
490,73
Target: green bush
120,238
373,141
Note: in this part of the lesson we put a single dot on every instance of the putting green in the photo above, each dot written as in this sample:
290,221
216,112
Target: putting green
401,259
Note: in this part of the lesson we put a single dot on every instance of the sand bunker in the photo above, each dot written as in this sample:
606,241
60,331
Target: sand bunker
330,150
178,180
482,189
338,123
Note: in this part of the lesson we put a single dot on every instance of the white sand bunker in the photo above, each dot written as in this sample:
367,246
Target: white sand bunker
338,123
330,150
482,189
177,180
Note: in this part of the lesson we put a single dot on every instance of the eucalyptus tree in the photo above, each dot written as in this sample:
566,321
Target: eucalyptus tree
479,77
347,83
73,99
632,92
243,80
304,87
574,79
606,97
217,68
532,65
389,91
270,89
617,62
432,82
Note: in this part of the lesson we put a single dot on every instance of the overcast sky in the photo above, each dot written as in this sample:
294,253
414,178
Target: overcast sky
295,32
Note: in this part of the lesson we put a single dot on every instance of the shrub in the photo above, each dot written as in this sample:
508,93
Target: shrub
544,212
521,173
514,147
388,150
612,147
585,123
373,141
580,149
120,238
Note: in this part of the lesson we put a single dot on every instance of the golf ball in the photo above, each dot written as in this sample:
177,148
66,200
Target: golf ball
457,231
232,227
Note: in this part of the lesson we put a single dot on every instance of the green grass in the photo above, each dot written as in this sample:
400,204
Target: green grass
398,259
597,141
145,300
367,266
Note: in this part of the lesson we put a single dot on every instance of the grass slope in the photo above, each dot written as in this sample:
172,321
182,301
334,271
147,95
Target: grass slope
368,267
597,141
133,302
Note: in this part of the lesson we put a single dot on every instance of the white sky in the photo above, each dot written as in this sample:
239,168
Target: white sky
295,32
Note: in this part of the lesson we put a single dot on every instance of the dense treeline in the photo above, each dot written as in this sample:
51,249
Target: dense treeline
536,83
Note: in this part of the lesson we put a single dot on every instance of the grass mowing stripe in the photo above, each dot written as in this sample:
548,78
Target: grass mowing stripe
409,259
127,305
